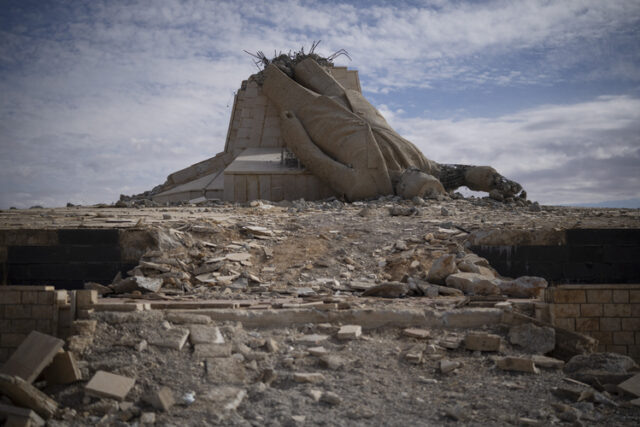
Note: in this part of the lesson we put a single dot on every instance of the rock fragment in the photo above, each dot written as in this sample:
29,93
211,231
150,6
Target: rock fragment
519,364
442,268
480,341
350,332
532,338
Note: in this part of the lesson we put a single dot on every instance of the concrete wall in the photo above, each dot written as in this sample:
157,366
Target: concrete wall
609,313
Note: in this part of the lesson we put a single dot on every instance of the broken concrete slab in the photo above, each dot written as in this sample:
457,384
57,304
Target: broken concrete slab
225,397
631,386
350,332
204,334
547,362
204,351
20,417
106,384
416,333
480,341
32,356
188,318
24,394
519,364
308,377
63,369
161,399
225,370
174,338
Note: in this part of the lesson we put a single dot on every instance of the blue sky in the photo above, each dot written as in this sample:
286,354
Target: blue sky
99,98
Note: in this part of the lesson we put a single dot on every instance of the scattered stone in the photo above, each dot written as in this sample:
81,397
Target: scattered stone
312,339
148,418
105,384
350,332
225,370
188,318
161,399
547,362
204,334
332,362
298,419
63,369
317,351
84,327
523,287
238,256
32,356
307,377
519,364
331,398
173,338
416,333
600,368
480,341
271,345
631,386
387,290
532,338
473,284
100,289
447,366
137,283
316,395
24,394
441,269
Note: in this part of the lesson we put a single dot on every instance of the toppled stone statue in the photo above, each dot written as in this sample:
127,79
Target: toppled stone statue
345,141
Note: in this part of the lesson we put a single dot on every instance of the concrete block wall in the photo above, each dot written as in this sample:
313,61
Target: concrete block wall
609,313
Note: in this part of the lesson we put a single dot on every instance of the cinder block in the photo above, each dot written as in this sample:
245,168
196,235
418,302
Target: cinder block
566,323
29,297
609,324
602,337
634,295
599,296
621,296
617,310
566,310
45,326
620,349
46,297
105,384
623,338
86,298
591,310
23,326
63,369
631,324
32,356
569,296
587,324
18,311
9,297
635,310
634,351
42,312
11,340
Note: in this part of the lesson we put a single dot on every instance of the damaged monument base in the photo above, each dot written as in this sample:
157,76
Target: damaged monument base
344,145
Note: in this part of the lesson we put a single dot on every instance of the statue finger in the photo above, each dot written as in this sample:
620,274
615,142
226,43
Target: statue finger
285,92
310,74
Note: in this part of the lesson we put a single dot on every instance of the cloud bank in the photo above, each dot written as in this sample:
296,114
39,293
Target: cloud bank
101,98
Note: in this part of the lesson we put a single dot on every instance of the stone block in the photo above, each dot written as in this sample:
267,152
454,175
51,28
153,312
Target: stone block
173,338
225,370
188,318
566,310
617,310
634,296
569,296
11,340
29,297
19,417
518,364
591,310
603,338
350,332
547,362
533,338
9,297
308,377
620,349
631,324
610,324
623,338
587,324
161,399
568,323
416,333
204,334
42,311
482,341
46,297
24,394
205,351
86,298
105,384
599,296
63,369
621,296
32,356
18,311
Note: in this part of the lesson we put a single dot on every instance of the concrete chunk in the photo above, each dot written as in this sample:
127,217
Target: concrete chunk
172,338
161,399
308,377
188,318
32,356
482,341
416,333
204,334
631,386
211,350
24,394
225,370
519,364
63,369
350,332
105,384
547,362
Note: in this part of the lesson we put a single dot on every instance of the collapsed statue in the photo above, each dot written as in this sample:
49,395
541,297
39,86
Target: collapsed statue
345,141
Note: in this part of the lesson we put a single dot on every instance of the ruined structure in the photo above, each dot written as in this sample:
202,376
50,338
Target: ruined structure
345,144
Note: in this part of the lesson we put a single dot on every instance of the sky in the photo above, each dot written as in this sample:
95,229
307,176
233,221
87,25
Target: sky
106,97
